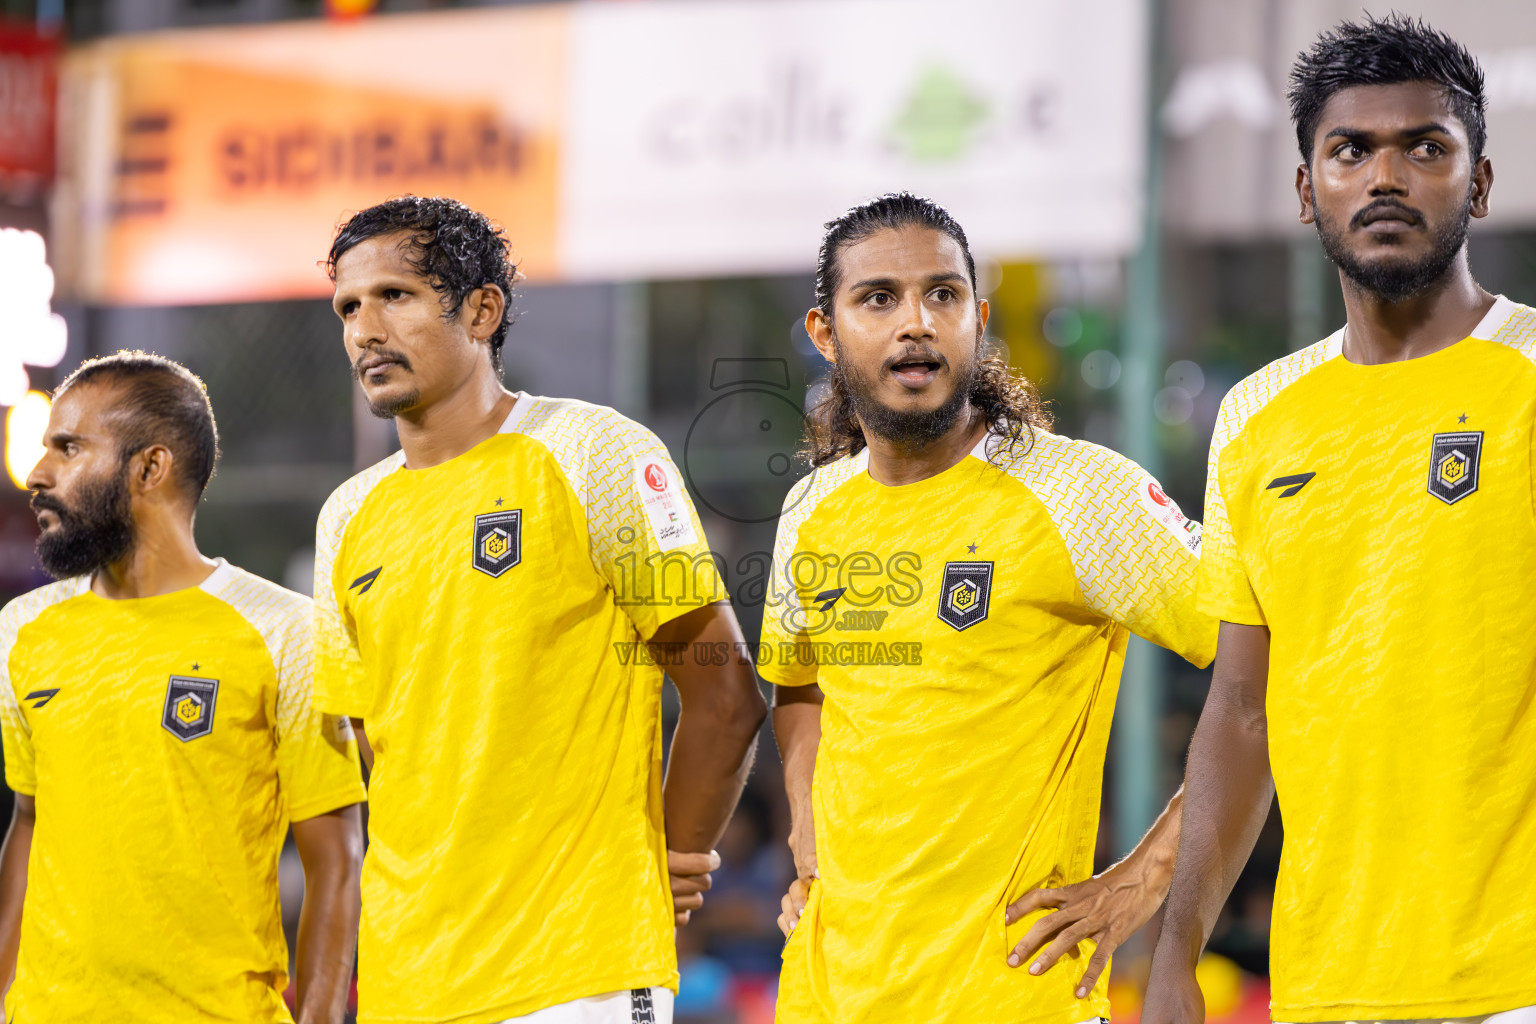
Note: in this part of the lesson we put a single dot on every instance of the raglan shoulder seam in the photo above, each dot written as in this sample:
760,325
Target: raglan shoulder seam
1259,389
281,618
1094,497
21,612
342,507
810,491
1518,332
595,448
549,422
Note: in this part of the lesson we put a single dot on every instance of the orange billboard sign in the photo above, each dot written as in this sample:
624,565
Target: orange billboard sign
214,165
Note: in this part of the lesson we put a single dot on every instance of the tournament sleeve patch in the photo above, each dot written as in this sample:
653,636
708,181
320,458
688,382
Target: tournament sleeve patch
661,492
1165,511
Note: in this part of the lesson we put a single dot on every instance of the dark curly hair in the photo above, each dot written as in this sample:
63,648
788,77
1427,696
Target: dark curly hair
455,248
1010,402
1386,51
159,401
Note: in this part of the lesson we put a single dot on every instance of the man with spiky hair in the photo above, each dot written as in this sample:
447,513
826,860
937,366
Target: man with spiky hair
944,762
1370,550
484,599
160,740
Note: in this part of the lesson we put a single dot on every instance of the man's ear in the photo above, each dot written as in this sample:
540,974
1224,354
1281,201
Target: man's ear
1304,193
483,309
152,468
1482,184
819,326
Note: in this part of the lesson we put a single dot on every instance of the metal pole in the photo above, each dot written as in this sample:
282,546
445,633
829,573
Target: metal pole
1137,794
629,373
1308,301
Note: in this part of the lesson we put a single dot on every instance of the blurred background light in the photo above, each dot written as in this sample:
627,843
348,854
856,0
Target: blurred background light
1173,406
1062,326
25,422
1187,375
30,332
1101,369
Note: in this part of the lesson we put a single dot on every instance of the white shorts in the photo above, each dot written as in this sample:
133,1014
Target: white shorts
640,1006
1523,1015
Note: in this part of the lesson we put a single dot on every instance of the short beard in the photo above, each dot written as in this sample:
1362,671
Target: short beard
388,410
1392,280
97,532
908,431
395,406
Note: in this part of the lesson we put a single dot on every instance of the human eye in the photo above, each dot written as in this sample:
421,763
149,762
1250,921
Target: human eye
1350,152
1427,148
944,293
879,300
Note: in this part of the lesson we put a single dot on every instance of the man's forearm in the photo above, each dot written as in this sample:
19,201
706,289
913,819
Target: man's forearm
716,734
13,885
1154,857
1227,794
331,848
712,752
797,727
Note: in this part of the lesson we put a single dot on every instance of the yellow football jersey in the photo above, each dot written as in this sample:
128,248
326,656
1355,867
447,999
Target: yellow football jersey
486,617
968,632
168,742
1379,520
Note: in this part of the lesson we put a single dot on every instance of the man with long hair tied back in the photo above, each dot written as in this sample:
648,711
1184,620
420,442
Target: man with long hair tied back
954,588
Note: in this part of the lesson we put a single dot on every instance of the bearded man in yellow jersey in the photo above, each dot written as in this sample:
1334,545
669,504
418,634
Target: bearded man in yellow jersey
955,587
485,601
1371,552
160,739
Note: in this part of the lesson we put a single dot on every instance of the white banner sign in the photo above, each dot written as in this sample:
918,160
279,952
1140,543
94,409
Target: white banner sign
717,138
639,140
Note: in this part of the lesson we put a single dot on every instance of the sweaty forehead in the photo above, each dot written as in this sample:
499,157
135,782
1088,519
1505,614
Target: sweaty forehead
901,253
1388,109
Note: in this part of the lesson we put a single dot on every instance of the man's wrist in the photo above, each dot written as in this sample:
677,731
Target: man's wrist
1151,867
1178,945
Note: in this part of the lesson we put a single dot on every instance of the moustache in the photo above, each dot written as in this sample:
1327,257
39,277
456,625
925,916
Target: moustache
382,355
1358,220
917,354
48,503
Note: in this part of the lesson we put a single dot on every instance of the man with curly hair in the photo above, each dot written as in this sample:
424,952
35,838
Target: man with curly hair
484,599
944,764
1370,554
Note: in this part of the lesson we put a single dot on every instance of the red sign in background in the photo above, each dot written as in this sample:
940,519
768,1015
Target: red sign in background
29,62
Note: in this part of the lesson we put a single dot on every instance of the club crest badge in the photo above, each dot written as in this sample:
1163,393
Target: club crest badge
965,593
189,706
498,542
1453,465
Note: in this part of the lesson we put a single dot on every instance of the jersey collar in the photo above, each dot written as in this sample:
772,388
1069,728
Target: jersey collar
515,417
1497,317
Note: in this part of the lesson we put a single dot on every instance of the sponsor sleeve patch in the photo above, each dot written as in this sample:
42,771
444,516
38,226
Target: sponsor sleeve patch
661,493
1165,511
